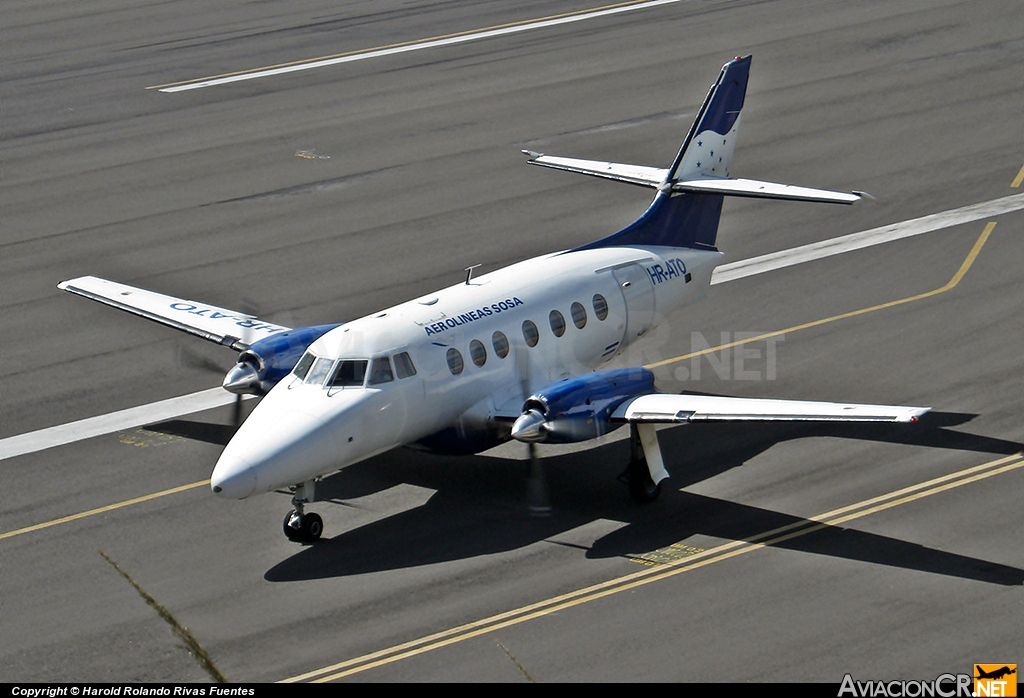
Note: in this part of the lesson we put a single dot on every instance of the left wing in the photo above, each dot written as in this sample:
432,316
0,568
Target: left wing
676,409
220,325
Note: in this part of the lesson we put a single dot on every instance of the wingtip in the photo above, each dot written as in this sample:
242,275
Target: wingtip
914,413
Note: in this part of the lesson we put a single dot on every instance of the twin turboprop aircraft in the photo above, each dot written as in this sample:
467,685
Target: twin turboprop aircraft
516,353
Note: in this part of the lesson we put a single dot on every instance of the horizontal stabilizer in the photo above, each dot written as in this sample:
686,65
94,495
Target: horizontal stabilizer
631,174
654,177
220,325
668,408
763,190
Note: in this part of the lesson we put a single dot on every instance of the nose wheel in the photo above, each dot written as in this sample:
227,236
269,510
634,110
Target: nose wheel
303,528
300,526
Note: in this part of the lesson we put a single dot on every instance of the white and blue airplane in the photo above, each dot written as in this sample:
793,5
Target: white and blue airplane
514,354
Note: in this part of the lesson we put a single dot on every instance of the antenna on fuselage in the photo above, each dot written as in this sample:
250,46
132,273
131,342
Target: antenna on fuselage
469,272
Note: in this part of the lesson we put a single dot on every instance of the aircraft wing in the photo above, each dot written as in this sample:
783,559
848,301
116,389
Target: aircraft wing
230,328
676,409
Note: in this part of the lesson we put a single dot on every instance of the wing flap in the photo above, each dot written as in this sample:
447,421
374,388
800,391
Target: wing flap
661,407
219,325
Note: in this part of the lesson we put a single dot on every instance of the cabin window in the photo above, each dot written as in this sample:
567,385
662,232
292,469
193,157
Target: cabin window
600,306
530,333
380,371
318,374
557,323
477,352
579,315
500,343
349,374
302,368
454,361
403,365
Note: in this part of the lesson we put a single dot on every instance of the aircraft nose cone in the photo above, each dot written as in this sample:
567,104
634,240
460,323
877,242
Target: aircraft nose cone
531,427
232,478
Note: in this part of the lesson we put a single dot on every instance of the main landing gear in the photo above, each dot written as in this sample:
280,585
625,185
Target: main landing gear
643,446
298,525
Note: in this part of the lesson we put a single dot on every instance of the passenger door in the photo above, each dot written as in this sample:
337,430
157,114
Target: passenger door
638,293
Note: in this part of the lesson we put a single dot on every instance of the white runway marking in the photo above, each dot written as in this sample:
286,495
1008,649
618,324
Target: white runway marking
216,397
414,46
867,238
114,421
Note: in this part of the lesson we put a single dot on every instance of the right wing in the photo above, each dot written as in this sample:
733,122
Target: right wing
220,325
677,409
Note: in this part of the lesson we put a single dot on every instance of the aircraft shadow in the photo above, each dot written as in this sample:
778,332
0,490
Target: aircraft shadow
479,506
196,431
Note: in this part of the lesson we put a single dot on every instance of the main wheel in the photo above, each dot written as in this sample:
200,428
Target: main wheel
641,487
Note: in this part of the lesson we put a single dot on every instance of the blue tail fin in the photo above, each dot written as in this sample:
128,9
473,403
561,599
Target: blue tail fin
687,219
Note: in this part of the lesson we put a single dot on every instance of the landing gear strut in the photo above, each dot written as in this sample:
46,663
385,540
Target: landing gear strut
298,525
643,441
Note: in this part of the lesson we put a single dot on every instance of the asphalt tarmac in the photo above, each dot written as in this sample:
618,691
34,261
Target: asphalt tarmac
333,192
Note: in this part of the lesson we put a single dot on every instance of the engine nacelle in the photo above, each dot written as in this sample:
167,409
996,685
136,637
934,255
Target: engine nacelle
580,408
268,360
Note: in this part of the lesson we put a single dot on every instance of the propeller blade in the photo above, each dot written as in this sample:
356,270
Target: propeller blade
187,358
236,415
537,488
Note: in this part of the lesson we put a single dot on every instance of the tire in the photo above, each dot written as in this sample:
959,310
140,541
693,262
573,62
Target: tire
290,532
641,487
312,528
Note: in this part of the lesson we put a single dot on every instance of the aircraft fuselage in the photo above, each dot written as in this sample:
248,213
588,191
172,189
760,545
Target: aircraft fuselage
478,349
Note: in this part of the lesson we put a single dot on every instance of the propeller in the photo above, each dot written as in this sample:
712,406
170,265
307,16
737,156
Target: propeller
239,378
188,358
537,497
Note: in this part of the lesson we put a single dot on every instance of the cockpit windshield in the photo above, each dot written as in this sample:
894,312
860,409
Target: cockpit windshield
348,374
351,373
302,368
317,374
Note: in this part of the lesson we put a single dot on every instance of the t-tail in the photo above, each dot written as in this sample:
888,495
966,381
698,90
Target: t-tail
688,205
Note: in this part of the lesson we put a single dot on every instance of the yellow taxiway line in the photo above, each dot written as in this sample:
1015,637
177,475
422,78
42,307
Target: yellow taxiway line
968,261
103,510
1018,179
659,572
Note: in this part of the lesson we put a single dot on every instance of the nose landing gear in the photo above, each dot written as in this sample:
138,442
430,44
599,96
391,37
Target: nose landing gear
299,526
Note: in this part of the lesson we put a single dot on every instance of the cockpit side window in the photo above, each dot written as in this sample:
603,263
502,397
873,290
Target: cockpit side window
317,374
349,374
403,365
380,371
302,368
